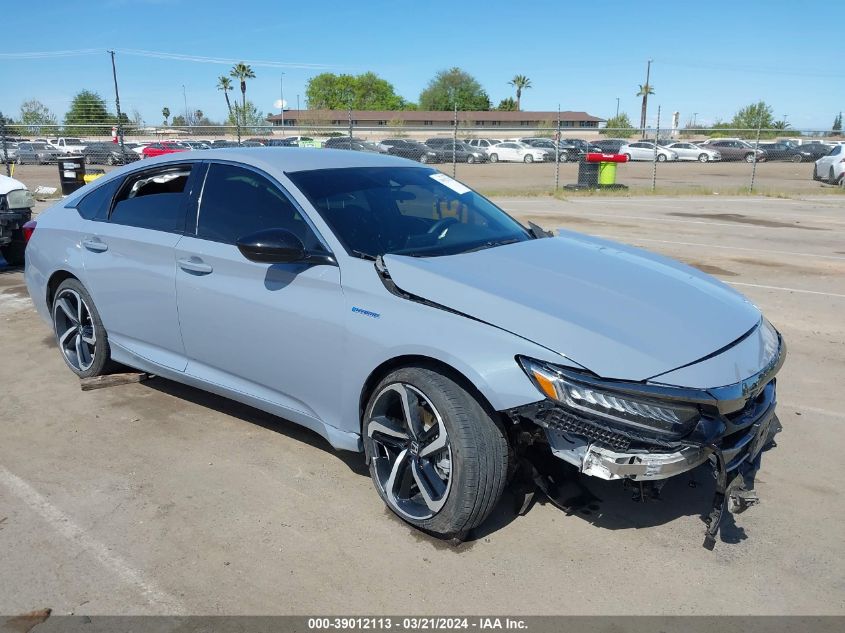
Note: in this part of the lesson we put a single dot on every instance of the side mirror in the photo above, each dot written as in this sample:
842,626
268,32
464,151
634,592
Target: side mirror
272,246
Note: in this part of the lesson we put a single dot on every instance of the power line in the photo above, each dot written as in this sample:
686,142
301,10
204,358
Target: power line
221,60
51,54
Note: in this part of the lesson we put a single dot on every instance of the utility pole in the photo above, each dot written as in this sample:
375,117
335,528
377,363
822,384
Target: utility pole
455,137
5,149
185,99
282,100
557,147
694,117
617,107
117,107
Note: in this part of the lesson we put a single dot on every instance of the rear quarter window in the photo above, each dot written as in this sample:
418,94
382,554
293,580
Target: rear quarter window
95,205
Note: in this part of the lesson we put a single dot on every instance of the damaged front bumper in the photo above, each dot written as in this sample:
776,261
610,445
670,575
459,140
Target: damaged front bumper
737,422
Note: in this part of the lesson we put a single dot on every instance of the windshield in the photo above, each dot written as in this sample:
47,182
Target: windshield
406,211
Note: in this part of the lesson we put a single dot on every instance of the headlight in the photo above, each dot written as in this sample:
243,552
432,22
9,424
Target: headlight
771,342
616,407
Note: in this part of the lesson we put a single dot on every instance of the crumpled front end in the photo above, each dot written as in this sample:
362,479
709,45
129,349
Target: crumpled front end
601,427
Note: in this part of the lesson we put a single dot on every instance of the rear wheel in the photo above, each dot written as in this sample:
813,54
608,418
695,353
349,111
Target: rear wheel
749,158
437,457
89,160
424,158
470,159
79,331
110,160
796,158
831,177
815,174
627,157
494,158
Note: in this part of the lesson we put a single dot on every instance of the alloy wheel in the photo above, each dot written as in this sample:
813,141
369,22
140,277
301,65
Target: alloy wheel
74,329
411,454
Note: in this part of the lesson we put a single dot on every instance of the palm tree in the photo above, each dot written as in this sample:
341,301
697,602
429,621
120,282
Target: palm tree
520,82
645,90
242,72
225,84
165,112
780,125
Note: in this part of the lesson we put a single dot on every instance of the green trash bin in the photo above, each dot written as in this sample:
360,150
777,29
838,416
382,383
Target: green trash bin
607,173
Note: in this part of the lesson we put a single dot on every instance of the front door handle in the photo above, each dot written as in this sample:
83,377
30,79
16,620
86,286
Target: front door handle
95,244
194,265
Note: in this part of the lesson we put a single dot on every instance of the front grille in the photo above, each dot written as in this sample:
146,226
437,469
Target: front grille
562,420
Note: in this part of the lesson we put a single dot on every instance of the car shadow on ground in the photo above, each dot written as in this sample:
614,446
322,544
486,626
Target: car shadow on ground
605,504
354,461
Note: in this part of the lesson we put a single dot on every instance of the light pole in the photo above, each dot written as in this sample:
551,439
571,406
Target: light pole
282,100
694,117
185,99
617,107
646,88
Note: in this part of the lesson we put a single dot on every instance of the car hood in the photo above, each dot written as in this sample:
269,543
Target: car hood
618,311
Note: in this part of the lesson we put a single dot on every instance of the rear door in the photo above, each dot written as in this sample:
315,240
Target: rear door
271,331
130,266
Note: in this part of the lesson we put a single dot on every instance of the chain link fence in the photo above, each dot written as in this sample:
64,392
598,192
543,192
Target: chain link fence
554,156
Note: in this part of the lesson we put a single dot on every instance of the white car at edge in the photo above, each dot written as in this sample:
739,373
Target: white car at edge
831,167
644,150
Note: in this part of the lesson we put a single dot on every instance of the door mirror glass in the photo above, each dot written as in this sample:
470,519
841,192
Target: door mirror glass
272,246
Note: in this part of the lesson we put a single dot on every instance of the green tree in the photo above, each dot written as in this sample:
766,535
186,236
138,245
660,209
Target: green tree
619,126
242,72
367,91
34,114
165,112
753,116
87,109
644,91
249,118
837,125
520,82
507,105
452,86
780,125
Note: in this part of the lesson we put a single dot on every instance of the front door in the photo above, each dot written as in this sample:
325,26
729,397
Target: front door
268,331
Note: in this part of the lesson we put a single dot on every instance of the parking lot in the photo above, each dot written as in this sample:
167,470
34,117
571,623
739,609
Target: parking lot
674,178
159,498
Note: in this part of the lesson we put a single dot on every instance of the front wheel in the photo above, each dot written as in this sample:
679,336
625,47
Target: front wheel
661,158
424,158
470,159
749,158
703,158
797,158
831,177
528,158
627,157
494,158
79,331
436,455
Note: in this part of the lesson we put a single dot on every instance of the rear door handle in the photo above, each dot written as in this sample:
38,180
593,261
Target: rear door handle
194,265
95,244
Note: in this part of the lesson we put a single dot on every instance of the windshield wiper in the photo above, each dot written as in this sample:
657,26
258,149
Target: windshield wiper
491,244
363,255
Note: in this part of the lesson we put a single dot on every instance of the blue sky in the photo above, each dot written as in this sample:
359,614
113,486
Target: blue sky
709,58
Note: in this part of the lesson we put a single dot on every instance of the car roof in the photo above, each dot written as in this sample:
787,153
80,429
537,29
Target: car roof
286,159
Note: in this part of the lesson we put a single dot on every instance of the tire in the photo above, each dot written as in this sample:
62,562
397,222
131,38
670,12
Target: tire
89,160
627,157
110,160
661,158
423,159
14,252
831,177
463,477
703,158
470,159
815,174
494,158
749,158
564,157
797,158
528,159
83,342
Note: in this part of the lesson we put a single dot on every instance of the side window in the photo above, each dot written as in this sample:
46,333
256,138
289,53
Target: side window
95,205
153,200
238,201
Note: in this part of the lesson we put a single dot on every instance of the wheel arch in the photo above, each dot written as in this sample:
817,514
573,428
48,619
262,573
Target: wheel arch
428,362
54,282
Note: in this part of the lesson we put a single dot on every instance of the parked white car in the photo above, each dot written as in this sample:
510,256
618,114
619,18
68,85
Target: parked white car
691,151
68,145
483,144
831,167
644,150
516,152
